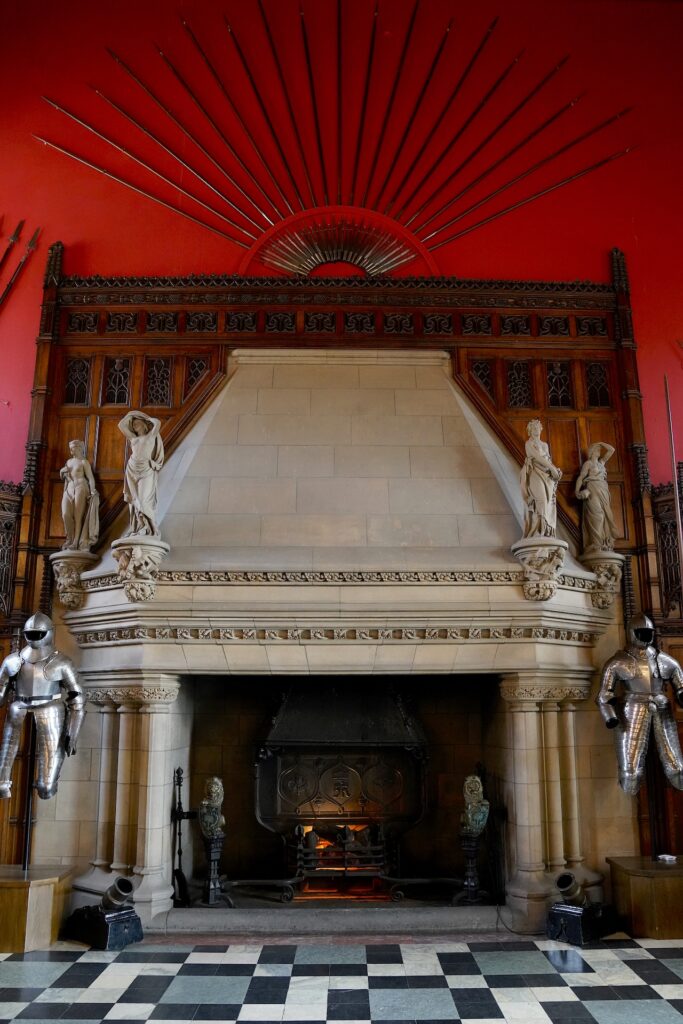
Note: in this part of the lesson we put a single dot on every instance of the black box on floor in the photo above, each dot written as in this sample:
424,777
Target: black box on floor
104,929
578,925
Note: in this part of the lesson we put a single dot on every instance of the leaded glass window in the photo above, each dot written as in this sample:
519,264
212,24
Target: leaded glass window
196,368
559,385
77,380
158,383
520,392
482,371
597,385
117,381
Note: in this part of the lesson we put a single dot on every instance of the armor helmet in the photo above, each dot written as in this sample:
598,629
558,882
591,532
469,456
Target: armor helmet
641,631
39,631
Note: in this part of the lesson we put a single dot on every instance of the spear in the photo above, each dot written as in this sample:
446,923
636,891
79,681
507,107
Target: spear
20,265
140,191
10,242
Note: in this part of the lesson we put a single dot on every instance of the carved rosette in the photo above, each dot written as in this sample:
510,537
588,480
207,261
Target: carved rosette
139,558
67,567
608,567
541,559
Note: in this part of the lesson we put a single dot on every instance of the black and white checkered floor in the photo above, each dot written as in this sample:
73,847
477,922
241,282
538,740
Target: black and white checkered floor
619,981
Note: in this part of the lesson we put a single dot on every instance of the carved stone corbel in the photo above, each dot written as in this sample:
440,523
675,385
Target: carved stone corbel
607,566
541,559
67,567
138,559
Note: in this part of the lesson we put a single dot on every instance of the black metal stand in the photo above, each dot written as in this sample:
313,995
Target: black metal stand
213,895
471,892
28,795
178,816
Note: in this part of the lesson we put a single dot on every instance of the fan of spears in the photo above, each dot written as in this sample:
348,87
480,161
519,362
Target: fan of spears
7,253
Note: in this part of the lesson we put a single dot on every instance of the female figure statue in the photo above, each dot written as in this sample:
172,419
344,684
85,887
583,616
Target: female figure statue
80,501
598,526
142,472
539,480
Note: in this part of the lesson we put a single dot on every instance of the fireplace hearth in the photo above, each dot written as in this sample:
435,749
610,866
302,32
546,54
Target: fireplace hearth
340,777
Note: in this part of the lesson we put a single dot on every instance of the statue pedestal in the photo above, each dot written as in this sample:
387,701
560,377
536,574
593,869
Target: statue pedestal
139,557
607,566
32,905
542,559
67,567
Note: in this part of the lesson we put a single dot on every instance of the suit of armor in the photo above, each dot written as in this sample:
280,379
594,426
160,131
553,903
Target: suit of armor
40,681
642,671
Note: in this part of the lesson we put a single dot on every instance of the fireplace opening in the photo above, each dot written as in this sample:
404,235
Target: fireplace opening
342,789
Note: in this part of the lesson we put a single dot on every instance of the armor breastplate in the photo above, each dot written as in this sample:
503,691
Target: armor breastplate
644,673
33,682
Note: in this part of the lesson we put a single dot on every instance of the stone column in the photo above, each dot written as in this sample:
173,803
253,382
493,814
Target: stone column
125,789
570,798
154,891
533,775
555,841
99,875
136,787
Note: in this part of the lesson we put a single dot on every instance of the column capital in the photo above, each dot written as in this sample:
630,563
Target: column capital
136,689
545,686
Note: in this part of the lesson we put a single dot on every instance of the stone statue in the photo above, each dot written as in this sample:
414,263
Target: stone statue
598,526
80,501
142,472
473,819
210,816
641,671
539,480
40,681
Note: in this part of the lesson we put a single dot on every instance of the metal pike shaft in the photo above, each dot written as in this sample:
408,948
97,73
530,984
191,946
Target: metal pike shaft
11,241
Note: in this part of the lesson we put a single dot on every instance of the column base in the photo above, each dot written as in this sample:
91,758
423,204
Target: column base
529,896
153,896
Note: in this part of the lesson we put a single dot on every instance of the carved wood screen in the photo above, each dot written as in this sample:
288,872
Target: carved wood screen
560,352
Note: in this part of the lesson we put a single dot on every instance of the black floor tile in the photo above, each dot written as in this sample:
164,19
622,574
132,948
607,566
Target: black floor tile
310,970
267,990
677,1004
352,970
451,960
519,947
654,973
174,1011
483,1006
85,1011
636,992
217,1011
486,947
44,1011
470,995
426,981
668,952
568,961
569,1013
544,981
232,970
277,955
147,989
78,976
136,956
586,993
356,997
455,969
348,1012
387,981
505,981
218,948
19,994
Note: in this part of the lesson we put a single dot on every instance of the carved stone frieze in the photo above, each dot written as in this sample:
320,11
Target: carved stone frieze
541,558
330,634
138,559
287,577
543,691
131,694
67,567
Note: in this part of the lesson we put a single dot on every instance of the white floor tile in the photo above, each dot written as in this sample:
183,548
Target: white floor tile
130,1011
261,1011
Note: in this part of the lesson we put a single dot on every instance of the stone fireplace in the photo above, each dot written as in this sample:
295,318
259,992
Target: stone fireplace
335,515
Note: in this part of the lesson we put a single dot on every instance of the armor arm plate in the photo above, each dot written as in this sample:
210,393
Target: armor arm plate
606,698
8,671
75,703
671,670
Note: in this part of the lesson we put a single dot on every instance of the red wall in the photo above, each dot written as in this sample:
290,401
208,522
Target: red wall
623,52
